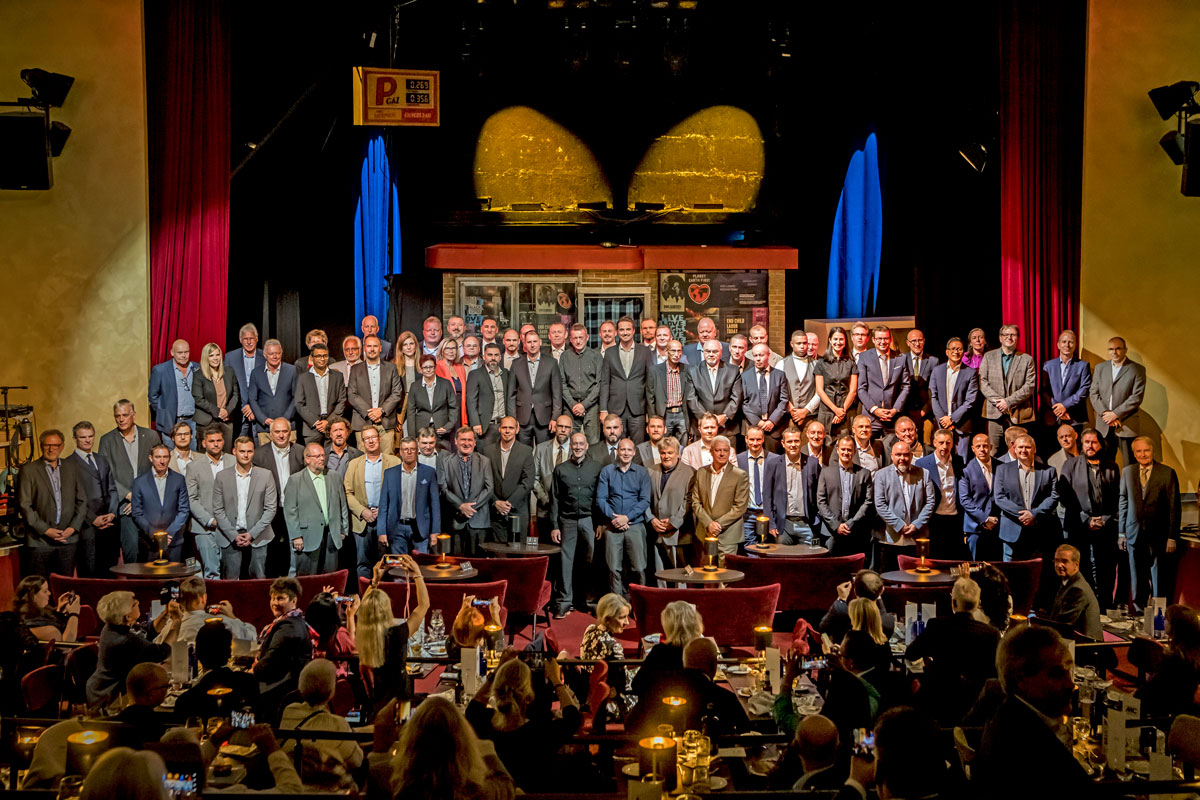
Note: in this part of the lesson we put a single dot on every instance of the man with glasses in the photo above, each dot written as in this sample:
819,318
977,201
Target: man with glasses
53,503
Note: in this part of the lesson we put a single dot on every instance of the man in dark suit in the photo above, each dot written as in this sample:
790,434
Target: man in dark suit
764,397
624,373
868,451
580,367
338,450
486,396
99,538
572,517
920,367
1118,387
160,503
1026,494
718,388
706,331
370,327
845,501
127,448
980,517
244,361
767,479
1149,517
1074,603
671,394
282,457
794,498
375,392
953,397
465,481
320,394
272,390
604,452
512,481
1064,387
946,524
317,516
883,382
410,506
1089,489
170,390
534,391
54,504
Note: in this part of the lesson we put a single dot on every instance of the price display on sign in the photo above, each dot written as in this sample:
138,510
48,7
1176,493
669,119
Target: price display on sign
397,97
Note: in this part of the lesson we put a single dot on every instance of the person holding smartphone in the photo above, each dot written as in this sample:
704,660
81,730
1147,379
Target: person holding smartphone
381,639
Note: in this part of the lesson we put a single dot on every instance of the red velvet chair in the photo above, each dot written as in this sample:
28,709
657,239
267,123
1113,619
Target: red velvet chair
78,666
41,690
808,585
528,590
445,596
730,614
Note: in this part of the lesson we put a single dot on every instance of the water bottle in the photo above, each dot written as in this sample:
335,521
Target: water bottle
193,662
1160,624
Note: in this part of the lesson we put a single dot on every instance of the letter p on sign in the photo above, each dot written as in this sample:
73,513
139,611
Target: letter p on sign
384,87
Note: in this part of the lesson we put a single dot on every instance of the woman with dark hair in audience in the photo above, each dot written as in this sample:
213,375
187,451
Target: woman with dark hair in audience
216,394
1173,687
124,644
32,604
995,597
681,623
336,640
836,379
440,758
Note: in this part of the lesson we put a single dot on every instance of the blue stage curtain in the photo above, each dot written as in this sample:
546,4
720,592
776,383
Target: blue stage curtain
857,239
376,219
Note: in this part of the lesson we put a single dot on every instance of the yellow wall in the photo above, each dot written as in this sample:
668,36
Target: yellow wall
1140,276
74,313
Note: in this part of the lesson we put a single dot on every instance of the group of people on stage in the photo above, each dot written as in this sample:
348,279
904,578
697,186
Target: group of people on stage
650,445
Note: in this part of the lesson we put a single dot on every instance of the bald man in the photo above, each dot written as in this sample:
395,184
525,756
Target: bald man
370,327
170,390
317,516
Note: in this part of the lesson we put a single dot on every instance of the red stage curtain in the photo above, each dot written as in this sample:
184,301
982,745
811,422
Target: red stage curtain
1042,49
188,122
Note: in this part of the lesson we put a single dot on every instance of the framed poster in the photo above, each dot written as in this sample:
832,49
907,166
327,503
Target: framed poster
541,303
735,301
481,298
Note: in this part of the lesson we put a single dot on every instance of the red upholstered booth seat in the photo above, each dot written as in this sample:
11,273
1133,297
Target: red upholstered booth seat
808,585
528,590
250,598
730,614
446,596
1023,577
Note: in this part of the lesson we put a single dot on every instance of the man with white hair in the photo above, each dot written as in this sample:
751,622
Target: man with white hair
370,327
719,497
317,682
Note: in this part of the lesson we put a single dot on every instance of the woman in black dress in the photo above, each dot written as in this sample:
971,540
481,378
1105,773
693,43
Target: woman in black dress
837,385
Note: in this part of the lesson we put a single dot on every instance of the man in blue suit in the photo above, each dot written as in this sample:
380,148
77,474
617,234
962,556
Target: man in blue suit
946,524
766,481
1026,494
793,503
410,509
170,390
1064,387
764,398
905,500
160,503
243,362
272,390
953,395
980,517
883,382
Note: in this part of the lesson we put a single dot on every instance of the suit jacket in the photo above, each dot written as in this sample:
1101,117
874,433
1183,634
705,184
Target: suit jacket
1014,736
1074,492
517,483
163,396
204,394
308,400
694,352
302,510
427,505
1124,398
1154,515
873,391
1075,604
98,485
263,457
877,449
1072,393
656,392
975,495
777,400
235,364
645,454
170,515
772,486
36,498
539,400
1016,388
391,395
621,392
670,502
809,473
267,404
966,396
113,448
727,399
802,389
543,473
891,507
355,485
580,373
481,401
929,464
959,647
261,505
1006,488
862,499
918,388
349,455
443,413
199,480
728,508
478,492
599,453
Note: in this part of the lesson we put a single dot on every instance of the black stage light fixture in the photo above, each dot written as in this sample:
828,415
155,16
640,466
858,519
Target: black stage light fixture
1170,99
58,138
49,88
974,154
1172,144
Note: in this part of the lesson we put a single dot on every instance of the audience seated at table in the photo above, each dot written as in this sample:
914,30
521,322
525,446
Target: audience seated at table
851,698
467,630
269,758
382,640
867,584
32,604
124,643
811,759
193,598
864,616
908,761
600,643
526,742
1173,687
317,683
995,597
709,707
128,774
681,623
214,645
335,637
1074,603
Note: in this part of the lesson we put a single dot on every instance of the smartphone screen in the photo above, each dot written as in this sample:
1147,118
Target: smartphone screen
181,785
864,743
391,561
241,719
814,663
354,717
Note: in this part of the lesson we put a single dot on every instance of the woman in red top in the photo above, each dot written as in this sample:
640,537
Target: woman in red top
451,368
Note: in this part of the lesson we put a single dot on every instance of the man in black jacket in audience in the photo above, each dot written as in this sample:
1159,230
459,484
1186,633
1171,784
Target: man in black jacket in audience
1074,603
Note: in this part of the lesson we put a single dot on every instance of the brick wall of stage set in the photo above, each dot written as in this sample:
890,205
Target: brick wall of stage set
601,279
74,260
1139,261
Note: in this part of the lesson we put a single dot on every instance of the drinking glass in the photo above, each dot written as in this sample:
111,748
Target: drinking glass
437,627
70,787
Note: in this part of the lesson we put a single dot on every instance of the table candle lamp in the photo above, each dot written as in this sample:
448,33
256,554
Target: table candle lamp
160,541
923,555
710,544
658,759
761,529
26,741
83,750
514,529
494,636
442,542
220,696
762,638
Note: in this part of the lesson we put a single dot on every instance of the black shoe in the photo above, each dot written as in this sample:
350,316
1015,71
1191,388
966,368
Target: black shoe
559,613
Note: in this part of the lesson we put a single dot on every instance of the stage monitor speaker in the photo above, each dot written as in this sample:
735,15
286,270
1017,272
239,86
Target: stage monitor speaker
1190,185
25,151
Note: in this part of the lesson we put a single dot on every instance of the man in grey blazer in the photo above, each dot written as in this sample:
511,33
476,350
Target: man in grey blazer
580,369
200,476
318,519
127,449
99,540
718,388
904,499
486,396
465,480
375,392
320,394
624,376
546,456
53,503
670,528
244,501
534,391
1118,387
801,379
281,457
1006,381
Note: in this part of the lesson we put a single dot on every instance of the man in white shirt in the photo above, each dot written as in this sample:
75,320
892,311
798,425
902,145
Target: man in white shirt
182,453
200,476
427,452
320,394
351,355
375,392
243,504
557,334
868,451
608,336
758,335
803,399
719,495
512,347
647,451
363,482
945,526
699,453
546,456
431,330
1116,394
488,333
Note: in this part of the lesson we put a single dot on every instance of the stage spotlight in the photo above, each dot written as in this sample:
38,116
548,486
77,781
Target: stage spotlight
1168,100
1173,145
58,137
49,88
974,154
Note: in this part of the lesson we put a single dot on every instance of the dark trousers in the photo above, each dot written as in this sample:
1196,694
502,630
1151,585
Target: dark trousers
1098,561
366,550
133,548
490,437
677,426
946,536
1151,574
243,562
578,538
531,434
1114,444
466,541
323,559
85,554
883,555
634,425
55,558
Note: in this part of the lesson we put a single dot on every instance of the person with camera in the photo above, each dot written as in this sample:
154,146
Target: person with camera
193,597
32,604
898,759
124,643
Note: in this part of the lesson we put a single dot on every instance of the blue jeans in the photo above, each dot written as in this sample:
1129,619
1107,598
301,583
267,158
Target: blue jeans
750,527
400,540
210,555
366,550
795,532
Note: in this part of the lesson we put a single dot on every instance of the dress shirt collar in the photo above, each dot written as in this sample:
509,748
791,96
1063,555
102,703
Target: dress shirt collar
281,453
313,370
213,461
243,473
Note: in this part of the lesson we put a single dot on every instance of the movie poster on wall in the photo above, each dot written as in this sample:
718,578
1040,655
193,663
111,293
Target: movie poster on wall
479,299
735,301
542,303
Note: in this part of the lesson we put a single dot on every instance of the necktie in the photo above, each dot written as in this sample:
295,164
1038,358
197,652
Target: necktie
1145,477
916,365
464,466
558,456
883,366
763,381
91,462
757,482
612,450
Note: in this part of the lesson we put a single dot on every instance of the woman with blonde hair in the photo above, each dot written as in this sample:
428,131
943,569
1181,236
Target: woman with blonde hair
681,623
215,391
128,774
976,347
439,757
865,617
382,640
450,367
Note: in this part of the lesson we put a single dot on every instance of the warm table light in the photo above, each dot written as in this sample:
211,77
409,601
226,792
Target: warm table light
160,541
710,544
658,753
762,637
923,555
761,529
441,542
83,749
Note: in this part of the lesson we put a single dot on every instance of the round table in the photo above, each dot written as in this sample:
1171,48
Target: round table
520,550
910,577
786,550
700,577
431,573
172,569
